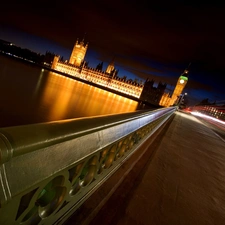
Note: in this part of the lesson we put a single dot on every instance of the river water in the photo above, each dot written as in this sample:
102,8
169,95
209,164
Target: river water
29,94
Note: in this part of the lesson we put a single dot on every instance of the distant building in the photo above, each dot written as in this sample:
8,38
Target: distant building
110,68
166,100
78,53
181,83
78,68
148,93
152,94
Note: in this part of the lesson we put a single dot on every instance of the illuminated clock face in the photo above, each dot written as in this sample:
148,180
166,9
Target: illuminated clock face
181,81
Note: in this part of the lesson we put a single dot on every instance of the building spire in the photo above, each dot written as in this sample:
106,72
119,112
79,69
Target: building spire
189,65
186,71
84,37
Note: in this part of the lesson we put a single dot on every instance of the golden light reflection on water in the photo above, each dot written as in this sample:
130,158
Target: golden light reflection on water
67,98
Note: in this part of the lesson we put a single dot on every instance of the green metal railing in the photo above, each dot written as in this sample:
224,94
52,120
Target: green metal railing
48,170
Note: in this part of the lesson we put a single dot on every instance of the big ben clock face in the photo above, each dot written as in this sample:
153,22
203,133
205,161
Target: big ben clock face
181,81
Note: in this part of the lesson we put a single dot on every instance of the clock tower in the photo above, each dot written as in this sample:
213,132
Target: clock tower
181,83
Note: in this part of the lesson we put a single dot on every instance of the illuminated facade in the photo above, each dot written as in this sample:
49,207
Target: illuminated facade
78,68
78,53
110,68
181,83
168,100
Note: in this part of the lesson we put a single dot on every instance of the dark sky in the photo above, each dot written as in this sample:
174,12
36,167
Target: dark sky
148,39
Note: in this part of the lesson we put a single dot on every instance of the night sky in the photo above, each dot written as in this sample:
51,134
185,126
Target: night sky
155,40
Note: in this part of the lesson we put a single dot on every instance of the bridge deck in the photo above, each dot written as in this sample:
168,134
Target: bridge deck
181,182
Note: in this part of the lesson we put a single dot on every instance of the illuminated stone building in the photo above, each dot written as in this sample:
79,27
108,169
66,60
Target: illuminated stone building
110,68
78,53
181,83
168,100
77,67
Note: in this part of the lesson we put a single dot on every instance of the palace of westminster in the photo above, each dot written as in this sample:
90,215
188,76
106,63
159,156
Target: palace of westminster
145,92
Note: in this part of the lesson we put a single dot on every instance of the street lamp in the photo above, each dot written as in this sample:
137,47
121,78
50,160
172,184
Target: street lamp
181,99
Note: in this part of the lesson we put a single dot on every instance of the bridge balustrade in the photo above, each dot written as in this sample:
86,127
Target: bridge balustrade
49,169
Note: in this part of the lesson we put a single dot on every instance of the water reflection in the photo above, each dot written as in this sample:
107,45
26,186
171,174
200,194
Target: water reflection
29,94
67,98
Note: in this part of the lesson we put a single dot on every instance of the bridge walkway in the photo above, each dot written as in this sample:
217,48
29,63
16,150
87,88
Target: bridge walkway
180,180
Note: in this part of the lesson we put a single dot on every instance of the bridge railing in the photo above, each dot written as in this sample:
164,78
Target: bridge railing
48,170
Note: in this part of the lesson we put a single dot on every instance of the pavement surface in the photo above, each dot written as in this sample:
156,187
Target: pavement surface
182,182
